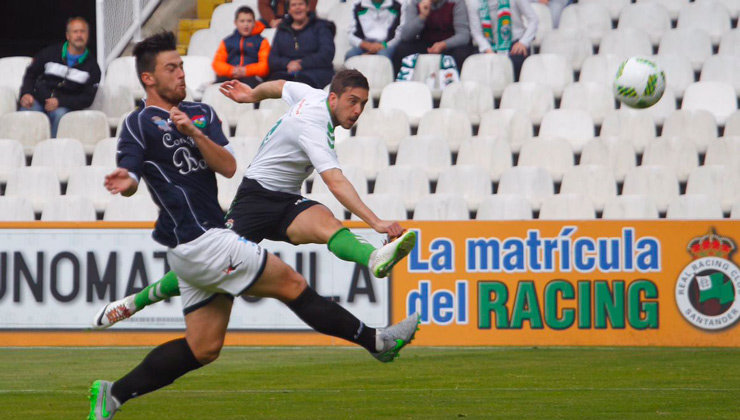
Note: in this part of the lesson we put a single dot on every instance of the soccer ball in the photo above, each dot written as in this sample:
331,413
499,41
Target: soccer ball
639,83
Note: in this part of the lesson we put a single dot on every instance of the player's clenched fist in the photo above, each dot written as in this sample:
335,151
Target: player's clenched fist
183,122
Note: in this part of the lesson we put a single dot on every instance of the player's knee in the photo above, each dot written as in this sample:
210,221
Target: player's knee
208,352
293,286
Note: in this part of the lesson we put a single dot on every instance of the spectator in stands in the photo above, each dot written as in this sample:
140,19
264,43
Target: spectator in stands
493,30
243,55
556,9
303,47
62,77
374,27
273,11
434,27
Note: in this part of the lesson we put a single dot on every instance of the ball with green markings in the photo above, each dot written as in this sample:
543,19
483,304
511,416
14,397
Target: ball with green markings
639,82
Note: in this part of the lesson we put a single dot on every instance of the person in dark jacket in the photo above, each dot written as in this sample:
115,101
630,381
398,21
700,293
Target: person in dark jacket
62,77
303,47
243,54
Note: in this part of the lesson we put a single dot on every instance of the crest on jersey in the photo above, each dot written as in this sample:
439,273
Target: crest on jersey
162,125
199,121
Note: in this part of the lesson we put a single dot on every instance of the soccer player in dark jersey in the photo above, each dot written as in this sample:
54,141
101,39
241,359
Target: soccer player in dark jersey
177,147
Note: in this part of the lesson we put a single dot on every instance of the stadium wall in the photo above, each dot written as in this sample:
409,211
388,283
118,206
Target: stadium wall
611,283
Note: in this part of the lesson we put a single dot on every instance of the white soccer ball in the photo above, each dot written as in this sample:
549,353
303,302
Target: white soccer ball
639,83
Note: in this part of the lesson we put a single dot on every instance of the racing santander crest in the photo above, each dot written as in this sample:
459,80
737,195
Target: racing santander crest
707,289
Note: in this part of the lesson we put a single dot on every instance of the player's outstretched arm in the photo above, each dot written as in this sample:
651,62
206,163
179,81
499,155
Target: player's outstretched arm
242,93
121,182
218,158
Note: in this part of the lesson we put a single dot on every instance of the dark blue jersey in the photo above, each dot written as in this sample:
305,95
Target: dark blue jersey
179,180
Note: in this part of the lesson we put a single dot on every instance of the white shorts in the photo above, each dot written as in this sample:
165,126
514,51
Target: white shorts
217,262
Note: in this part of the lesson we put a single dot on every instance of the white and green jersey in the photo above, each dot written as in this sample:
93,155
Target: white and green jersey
301,140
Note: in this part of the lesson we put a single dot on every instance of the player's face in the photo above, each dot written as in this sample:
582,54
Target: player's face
169,77
298,10
77,34
348,106
244,24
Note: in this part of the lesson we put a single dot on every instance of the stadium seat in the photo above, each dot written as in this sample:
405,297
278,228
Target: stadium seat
377,68
225,107
657,182
245,149
13,69
504,207
567,207
601,68
385,206
533,182
695,127
672,152
470,181
492,70
104,153
724,151
573,125
625,43
441,207
722,68
729,44
591,17
735,212
204,42
534,99
37,184
680,71
553,154
341,14
330,202
114,101
87,181
493,154
256,123
11,158
428,153
694,207
28,127
88,127
569,43
222,19
630,206
411,98
544,24
616,154
274,104
227,188
559,72
593,181
470,97
198,74
614,6
425,71
718,182
138,208
732,6
510,125
692,43
649,17
636,128
672,6
68,208
368,153
61,155
716,97
122,72
407,182
711,16
660,111
16,209
451,124
354,174
387,124
8,100
732,125
269,34
594,98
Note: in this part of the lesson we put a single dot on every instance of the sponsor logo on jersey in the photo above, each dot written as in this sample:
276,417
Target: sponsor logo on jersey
162,125
230,269
199,121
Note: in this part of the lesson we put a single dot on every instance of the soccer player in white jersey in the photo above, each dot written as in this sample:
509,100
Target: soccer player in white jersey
177,147
268,203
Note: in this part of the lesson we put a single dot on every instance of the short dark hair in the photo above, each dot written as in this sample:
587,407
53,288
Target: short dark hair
243,9
349,78
146,51
76,18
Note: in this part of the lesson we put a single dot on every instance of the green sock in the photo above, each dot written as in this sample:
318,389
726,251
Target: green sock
164,288
350,247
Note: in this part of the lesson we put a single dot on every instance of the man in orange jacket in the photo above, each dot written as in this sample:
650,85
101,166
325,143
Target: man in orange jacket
243,54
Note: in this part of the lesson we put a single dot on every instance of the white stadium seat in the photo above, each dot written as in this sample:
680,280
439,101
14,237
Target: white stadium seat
680,71
487,152
630,206
322,10
385,206
729,44
341,14
87,181
593,181
692,43
657,182
735,212
13,69
204,42
534,99
569,43
245,149
614,6
636,128
115,102
122,72
617,154
601,68
430,154
594,98
722,68
407,182
591,17
139,208
330,202
559,72
716,97
492,70
650,17
674,153
451,124
724,151
377,68
660,111
222,19
87,126
11,158
732,6
567,207
504,207
28,127
16,209
696,127
672,6
573,125
61,155
225,108
8,100
530,181
694,207
68,208
711,16
198,74
441,207
510,125
37,184
274,104
544,24
411,98
555,155
425,71
387,124
470,181
732,125
471,97
367,153
625,43
104,153
354,174
227,188
717,181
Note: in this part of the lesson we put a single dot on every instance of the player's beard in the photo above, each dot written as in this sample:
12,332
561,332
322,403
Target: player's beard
173,96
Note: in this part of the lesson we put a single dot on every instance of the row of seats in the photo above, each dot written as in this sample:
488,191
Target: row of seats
78,208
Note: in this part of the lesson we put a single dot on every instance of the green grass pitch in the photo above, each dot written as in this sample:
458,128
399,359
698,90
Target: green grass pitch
424,383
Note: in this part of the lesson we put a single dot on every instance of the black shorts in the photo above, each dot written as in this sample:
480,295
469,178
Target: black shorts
258,213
